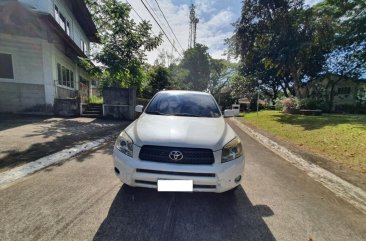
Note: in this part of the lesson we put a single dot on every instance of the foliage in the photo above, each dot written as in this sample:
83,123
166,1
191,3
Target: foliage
158,79
123,43
177,76
242,86
312,104
281,43
278,104
290,104
95,100
220,72
348,19
197,61
225,100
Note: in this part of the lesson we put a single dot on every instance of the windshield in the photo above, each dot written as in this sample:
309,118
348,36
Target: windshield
183,104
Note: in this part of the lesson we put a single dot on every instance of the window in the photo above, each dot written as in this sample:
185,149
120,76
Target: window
83,47
59,74
6,66
71,79
62,22
67,28
57,14
60,18
344,90
65,76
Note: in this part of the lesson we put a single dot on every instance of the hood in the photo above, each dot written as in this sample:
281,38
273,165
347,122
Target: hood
180,131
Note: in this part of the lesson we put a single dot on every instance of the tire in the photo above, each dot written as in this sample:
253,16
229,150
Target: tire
232,191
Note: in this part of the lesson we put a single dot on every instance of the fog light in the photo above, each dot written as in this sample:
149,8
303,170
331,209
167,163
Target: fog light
238,179
116,170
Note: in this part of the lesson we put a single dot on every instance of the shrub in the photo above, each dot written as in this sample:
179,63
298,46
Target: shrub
312,104
95,100
253,105
278,104
290,105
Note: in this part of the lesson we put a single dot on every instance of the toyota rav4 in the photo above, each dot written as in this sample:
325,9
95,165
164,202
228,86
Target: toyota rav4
181,141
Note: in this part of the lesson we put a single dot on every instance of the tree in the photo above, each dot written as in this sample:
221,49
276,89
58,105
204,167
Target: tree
158,79
348,18
220,71
197,61
123,42
347,58
177,76
280,42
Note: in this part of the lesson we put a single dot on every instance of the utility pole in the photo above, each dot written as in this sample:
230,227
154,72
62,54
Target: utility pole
193,21
259,88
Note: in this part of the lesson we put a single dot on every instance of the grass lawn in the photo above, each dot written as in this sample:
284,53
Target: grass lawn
341,138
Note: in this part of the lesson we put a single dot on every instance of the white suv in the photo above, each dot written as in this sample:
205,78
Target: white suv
181,142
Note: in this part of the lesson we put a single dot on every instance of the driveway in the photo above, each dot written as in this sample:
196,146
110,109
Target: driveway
81,199
26,138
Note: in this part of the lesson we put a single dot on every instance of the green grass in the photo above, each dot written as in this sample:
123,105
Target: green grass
341,138
95,100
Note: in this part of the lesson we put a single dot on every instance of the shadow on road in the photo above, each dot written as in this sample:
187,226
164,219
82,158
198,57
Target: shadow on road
53,135
145,214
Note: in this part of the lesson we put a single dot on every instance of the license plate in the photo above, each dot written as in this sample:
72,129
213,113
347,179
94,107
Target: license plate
175,185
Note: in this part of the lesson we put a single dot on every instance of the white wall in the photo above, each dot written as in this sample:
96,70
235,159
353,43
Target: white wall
59,57
27,88
27,58
47,6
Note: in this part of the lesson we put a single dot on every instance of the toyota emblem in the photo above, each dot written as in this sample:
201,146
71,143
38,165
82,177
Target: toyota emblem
176,155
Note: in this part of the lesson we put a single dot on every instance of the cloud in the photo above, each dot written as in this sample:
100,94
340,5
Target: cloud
216,17
213,28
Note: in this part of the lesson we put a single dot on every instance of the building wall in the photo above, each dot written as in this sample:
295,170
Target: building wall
16,97
27,87
77,34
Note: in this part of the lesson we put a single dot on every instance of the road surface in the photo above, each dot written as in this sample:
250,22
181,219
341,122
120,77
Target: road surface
81,199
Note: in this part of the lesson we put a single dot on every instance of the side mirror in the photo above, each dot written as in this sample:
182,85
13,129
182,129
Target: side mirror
139,108
228,113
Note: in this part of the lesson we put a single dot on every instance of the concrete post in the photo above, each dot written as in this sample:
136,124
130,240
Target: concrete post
131,102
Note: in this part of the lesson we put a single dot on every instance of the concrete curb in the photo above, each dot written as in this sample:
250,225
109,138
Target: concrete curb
347,191
7,177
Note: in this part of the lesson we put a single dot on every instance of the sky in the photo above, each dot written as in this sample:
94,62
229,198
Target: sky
215,22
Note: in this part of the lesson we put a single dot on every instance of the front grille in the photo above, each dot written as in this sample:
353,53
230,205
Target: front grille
191,174
190,155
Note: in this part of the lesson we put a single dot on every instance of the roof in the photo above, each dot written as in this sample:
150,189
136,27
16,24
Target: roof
78,8
48,18
83,16
323,76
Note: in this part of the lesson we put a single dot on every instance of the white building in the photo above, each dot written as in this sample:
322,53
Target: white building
40,45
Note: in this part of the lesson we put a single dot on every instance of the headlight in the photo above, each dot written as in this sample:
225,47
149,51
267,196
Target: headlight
232,150
124,143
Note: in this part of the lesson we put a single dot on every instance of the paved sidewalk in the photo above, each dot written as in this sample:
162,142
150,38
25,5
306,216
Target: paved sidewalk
24,139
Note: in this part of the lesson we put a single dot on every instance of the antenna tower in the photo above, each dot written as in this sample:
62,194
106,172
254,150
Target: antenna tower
193,20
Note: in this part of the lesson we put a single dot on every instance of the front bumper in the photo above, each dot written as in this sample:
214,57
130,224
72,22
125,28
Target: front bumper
218,177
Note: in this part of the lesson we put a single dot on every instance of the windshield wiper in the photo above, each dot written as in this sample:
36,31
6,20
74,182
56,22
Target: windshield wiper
187,114
155,113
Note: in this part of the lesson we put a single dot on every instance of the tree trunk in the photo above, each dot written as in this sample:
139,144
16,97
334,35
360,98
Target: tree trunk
297,84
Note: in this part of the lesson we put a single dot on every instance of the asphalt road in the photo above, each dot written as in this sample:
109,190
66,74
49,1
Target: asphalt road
81,199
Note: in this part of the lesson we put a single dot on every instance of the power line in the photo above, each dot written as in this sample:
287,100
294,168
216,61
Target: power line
134,10
169,25
138,15
156,15
161,28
